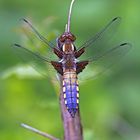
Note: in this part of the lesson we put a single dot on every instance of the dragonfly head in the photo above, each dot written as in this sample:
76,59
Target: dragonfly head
67,40
67,37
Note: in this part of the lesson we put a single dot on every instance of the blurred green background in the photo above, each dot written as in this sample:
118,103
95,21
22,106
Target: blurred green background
110,104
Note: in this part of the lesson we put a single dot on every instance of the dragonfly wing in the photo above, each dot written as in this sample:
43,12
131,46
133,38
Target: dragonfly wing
37,61
36,46
42,38
102,62
102,41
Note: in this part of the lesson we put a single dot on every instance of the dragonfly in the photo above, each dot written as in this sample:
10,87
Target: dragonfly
68,64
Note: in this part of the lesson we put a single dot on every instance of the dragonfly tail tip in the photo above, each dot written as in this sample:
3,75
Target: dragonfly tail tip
72,112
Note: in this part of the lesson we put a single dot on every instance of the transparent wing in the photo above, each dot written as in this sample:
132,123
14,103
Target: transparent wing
100,63
100,50
37,54
102,41
40,63
42,38
30,39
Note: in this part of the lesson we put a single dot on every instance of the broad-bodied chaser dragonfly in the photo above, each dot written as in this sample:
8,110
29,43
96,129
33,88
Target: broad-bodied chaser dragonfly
68,64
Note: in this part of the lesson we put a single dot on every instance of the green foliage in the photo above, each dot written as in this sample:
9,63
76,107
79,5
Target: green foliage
109,104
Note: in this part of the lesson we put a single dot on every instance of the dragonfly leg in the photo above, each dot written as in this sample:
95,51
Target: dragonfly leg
57,66
80,66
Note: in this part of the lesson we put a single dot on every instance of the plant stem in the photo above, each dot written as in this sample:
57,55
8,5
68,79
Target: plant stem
46,135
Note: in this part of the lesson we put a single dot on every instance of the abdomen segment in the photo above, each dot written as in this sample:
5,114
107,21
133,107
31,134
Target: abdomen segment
71,91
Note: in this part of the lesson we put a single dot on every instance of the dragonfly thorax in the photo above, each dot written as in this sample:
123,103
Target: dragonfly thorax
68,48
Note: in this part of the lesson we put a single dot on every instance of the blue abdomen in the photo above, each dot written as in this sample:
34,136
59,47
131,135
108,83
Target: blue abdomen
71,92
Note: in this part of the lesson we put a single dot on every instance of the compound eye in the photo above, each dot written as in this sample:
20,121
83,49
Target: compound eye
62,38
72,37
